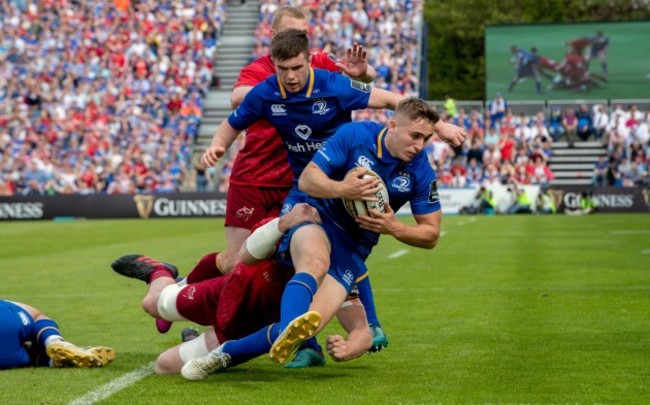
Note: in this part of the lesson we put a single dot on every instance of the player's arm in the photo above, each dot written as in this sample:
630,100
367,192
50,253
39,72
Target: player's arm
380,98
224,136
352,318
450,133
315,182
356,64
261,243
238,94
424,234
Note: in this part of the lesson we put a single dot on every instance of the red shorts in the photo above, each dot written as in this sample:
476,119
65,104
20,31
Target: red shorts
199,302
239,303
247,205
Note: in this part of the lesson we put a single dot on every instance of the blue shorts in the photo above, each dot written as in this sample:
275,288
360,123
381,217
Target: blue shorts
16,328
346,264
294,197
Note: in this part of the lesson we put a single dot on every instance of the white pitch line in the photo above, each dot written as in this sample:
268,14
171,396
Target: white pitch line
645,252
630,232
397,254
114,386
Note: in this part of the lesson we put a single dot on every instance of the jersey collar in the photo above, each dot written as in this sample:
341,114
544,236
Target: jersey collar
380,142
310,86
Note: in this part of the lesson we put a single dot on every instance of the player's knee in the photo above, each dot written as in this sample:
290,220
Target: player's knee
226,261
167,363
150,304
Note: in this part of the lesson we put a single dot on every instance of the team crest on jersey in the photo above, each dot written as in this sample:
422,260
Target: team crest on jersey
401,184
189,293
320,107
278,109
361,86
434,196
363,161
303,131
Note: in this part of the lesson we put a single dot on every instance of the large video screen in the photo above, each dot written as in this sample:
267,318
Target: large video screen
568,61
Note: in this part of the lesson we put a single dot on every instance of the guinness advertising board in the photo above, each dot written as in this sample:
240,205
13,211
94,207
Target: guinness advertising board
177,205
608,199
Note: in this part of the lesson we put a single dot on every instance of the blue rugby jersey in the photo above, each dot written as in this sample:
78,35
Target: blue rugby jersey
362,144
307,119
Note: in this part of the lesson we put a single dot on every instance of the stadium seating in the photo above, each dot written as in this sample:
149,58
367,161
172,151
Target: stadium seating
96,99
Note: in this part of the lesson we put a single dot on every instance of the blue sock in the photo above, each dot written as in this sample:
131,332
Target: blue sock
251,346
368,301
44,329
311,343
297,297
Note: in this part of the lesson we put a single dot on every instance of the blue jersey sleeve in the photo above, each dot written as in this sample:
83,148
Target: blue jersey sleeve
426,198
250,109
352,94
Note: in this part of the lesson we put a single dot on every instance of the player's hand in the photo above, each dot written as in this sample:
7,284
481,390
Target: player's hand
355,187
451,134
338,348
380,222
211,156
356,63
300,213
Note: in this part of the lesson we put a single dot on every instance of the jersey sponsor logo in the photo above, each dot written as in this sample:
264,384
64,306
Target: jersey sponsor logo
23,318
278,109
244,213
434,196
303,131
363,161
320,107
361,86
401,184
308,147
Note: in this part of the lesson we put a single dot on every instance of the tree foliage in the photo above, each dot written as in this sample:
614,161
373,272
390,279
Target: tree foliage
455,29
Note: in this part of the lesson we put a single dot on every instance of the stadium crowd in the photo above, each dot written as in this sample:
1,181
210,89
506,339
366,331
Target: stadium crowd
503,148
95,99
99,99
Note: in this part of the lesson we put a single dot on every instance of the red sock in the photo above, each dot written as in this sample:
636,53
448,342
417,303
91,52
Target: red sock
205,269
160,272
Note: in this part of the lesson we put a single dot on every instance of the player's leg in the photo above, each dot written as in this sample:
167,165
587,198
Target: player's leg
309,249
246,206
379,338
235,237
172,360
47,338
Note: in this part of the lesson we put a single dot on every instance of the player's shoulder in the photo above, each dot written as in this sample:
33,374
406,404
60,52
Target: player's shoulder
363,129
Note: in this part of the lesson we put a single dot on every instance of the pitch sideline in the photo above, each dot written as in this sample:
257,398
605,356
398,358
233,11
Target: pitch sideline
114,386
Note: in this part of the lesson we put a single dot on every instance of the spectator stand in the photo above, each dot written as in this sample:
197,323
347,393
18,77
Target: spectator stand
574,165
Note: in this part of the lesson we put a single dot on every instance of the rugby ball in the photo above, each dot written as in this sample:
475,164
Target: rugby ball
361,207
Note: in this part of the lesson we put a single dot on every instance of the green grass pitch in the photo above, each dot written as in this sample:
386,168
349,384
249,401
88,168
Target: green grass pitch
628,58
506,310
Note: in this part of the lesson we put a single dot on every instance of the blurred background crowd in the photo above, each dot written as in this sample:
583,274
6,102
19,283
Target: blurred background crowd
99,98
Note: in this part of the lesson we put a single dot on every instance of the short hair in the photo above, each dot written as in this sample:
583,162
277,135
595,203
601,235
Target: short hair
416,109
288,11
289,44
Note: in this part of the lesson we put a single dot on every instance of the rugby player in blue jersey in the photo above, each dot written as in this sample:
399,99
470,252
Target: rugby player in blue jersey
328,257
30,338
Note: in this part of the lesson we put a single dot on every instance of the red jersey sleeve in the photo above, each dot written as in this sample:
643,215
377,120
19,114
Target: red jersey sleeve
255,72
321,60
